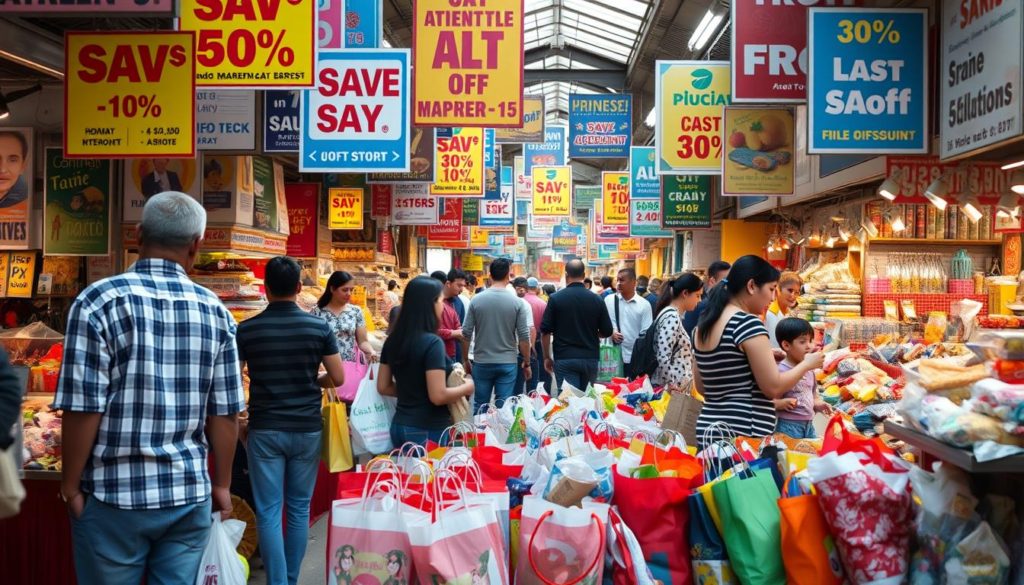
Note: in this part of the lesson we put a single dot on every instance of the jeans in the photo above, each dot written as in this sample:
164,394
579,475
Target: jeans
402,434
540,375
497,378
797,429
520,384
282,468
116,545
577,371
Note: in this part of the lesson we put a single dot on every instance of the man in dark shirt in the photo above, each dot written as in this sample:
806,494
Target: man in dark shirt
716,272
578,319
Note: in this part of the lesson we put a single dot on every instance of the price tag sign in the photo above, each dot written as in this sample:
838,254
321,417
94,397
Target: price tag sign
615,197
460,164
686,201
411,204
252,43
346,208
689,96
552,191
645,219
631,245
129,95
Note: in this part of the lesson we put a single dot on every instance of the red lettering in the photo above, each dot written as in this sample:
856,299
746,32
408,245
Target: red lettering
328,82
89,57
124,65
207,10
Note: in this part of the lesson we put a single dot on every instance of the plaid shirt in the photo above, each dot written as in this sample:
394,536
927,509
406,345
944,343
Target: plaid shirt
155,354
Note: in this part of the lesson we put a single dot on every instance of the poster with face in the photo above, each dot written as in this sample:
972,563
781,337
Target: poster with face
16,185
145,177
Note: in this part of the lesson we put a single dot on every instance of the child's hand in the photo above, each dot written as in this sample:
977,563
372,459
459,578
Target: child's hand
822,407
784,404
814,361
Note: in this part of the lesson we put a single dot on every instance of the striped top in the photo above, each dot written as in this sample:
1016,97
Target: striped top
731,394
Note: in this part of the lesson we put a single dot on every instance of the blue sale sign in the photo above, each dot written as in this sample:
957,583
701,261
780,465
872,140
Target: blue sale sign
356,119
363,20
644,182
600,126
550,153
867,81
281,125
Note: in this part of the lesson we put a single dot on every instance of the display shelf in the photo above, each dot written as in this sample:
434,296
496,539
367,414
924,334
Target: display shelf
924,303
918,242
961,458
42,475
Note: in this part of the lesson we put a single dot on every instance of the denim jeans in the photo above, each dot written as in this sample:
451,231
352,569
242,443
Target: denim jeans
540,375
115,545
497,378
520,385
797,429
282,468
578,372
402,434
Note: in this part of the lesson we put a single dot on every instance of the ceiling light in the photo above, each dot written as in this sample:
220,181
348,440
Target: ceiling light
1009,206
869,228
1013,165
32,64
896,220
973,209
1017,182
890,188
936,193
707,27
651,119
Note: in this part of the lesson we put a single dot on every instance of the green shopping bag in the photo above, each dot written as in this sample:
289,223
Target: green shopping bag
748,505
609,364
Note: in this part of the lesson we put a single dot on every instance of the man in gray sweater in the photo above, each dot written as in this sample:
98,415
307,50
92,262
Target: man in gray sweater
496,323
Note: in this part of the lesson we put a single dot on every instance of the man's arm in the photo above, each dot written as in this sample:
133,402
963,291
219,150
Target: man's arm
78,430
604,327
11,392
225,401
222,433
549,362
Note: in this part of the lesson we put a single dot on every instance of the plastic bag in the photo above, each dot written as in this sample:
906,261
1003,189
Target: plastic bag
979,559
221,564
370,418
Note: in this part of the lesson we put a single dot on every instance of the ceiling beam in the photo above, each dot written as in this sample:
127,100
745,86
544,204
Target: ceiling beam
596,79
574,55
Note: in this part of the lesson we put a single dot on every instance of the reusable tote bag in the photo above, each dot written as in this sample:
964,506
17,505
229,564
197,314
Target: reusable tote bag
561,546
336,447
609,364
808,551
708,556
748,504
354,374
370,418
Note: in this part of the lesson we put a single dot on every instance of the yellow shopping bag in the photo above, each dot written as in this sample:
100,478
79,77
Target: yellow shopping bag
336,446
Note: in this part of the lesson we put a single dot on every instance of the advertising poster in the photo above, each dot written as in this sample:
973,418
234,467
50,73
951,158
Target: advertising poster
380,204
565,237
469,63
867,81
64,272
253,44
21,276
449,226
980,75
985,180
76,213
497,209
478,236
117,106
228,187
603,232
330,23
550,153
281,124
265,214
549,269
524,181
631,245
645,219
145,177
226,119
686,202
363,20
460,164
615,198
302,199
345,208
600,126
109,8
412,204
552,191
644,182
533,123
421,160
17,148
759,151
586,195
471,211
689,98
522,211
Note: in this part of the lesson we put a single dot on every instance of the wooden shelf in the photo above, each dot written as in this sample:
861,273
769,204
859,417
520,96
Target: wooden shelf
962,458
918,242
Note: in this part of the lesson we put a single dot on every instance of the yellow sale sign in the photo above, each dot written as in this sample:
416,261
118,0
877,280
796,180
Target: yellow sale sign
472,262
552,191
631,245
478,237
460,164
345,210
689,97
252,43
129,95
615,197
469,63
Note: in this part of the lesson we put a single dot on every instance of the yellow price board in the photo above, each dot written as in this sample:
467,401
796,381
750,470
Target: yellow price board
472,262
615,198
631,245
689,97
252,43
22,277
129,95
460,164
552,191
346,208
478,237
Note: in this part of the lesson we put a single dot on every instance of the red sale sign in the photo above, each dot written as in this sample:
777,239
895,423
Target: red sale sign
303,205
449,226
381,200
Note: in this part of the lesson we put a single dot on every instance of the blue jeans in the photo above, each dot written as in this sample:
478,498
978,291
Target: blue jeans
282,469
797,429
520,385
497,378
402,434
116,545
578,372
540,375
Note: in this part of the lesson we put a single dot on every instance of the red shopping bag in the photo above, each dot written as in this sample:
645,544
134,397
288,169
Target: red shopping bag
561,546
491,462
839,440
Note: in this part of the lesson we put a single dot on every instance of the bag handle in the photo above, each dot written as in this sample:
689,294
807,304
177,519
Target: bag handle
615,522
593,564
793,479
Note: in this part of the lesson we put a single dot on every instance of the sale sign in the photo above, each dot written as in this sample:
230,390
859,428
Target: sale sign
252,43
686,201
303,204
550,153
363,20
533,123
689,97
460,164
759,147
645,219
469,63
565,237
552,191
867,81
524,181
356,120
281,124
449,225
497,209
631,245
412,204
615,198
643,175
129,95
381,204
603,232
345,208
600,126
478,237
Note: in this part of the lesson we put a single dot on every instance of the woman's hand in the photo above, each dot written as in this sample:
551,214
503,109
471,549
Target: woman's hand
814,361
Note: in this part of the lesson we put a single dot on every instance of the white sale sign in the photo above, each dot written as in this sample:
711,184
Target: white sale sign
412,204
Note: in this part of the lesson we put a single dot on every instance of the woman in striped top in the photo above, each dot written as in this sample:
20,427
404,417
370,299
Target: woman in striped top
736,371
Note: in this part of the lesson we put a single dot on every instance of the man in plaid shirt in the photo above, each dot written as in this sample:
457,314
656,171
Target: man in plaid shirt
150,381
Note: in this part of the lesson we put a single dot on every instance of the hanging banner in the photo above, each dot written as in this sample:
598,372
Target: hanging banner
330,22
645,219
600,126
478,236
421,161
552,191
469,63
281,126
565,237
265,200
533,123
472,263
522,212
380,205
550,153
76,212
867,80
586,195
250,43
644,182
689,97
449,225
226,119
508,191
412,204
498,207
108,8
524,181
603,232
363,20
631,245
985,180
303,206
460,164
129,94
981,75
615,198
345,209
686,201
471,212
759,150
17,184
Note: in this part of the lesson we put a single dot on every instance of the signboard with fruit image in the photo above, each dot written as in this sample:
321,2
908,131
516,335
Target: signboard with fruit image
759,144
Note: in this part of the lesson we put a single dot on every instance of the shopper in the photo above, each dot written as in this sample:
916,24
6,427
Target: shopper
716,272
577,319
736,372
606,287
588,284
150,382
796,408
631,315
467,295
391,298
497,323
537,307
11,392
346,320
654,294
549,289
283,347
641,285
520,285
413,368
785,301
674,347
450,327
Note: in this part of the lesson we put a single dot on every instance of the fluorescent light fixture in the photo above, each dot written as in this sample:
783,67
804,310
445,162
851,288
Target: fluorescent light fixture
707,27
936,193
32,64
869,228
890,189
973,209
1013,165
1017,182
651,119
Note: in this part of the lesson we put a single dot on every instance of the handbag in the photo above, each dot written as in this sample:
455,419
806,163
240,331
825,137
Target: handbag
336,446
681,415
354,374
708,557
12,492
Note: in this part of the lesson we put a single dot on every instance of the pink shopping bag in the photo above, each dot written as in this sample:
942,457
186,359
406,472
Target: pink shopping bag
561,546
367,543
458,544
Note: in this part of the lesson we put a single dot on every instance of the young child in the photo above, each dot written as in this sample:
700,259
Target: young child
797,407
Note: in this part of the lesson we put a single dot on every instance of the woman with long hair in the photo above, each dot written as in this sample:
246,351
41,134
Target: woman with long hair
785,301
674,348
346,320
413,367
736,370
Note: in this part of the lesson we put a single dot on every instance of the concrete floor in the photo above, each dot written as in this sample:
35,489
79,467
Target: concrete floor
314,566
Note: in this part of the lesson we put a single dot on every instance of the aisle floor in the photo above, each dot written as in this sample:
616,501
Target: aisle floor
315,563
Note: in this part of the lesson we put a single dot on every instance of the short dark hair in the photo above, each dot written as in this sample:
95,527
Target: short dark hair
588,281
499,269
717,267
392,284
575,268
470,280
20,138
606,281
643,281
282,276
630,272
519,282
439,276
455,274
791,328
549,289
